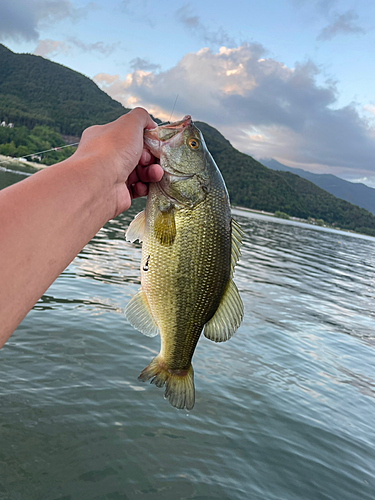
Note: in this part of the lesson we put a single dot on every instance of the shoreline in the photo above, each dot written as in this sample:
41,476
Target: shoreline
21,163
302,221
10,161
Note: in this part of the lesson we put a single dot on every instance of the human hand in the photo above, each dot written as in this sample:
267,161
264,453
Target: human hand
47,218
118,149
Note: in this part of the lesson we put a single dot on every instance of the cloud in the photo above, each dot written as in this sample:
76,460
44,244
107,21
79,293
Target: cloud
370,108
193,24
50,48
143,64
16,21
344,24
21,19
102,48
262,106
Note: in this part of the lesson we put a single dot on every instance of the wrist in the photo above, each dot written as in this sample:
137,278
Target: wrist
93,186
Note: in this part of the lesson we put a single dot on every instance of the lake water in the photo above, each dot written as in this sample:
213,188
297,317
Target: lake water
285,410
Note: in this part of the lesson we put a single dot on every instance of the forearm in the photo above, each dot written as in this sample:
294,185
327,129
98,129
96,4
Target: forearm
48,218
45,221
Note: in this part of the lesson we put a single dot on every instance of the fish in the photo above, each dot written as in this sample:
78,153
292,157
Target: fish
190,246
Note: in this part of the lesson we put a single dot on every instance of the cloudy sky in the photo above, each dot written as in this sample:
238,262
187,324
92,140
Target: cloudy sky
289,79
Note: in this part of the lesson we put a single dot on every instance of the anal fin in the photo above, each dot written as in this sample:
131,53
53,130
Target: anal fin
139,315
227,317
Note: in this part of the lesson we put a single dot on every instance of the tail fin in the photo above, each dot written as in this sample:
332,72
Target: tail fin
179,383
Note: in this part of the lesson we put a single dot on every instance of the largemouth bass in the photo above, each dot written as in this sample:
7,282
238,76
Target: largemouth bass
190,247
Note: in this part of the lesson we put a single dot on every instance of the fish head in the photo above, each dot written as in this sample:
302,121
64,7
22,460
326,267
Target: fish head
183,156
179,145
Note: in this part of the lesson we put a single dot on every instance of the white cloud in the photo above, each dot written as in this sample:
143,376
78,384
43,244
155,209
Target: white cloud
262,106
21,19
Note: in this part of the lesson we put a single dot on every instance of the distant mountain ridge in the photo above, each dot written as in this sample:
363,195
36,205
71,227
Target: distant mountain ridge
36,91
356,193
251,184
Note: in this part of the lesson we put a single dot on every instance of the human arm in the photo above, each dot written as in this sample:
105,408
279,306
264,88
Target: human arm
46,219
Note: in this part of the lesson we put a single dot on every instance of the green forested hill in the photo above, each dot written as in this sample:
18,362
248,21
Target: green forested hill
35,91
44,99
252,185
249,183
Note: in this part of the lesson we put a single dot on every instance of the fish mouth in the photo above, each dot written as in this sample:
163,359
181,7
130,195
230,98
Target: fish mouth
164,133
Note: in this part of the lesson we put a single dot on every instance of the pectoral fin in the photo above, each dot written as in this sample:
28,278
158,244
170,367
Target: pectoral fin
136,228
139,315
227,317
165,227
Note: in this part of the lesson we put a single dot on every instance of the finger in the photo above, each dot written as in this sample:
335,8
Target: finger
138,189
133,178
146,158
150,173
142,115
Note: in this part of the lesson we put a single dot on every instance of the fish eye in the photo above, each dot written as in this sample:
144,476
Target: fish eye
193,143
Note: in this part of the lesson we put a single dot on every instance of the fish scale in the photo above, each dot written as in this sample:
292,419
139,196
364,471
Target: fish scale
188,254
196,273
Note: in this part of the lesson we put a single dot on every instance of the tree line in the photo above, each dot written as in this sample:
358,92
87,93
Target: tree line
20,141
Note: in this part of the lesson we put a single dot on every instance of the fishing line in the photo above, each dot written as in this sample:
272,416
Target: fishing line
52,149
40,152
174,106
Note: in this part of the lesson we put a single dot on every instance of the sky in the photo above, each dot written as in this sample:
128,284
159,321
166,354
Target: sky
292,80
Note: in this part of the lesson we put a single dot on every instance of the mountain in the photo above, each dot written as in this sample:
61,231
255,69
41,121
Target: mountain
37,92
251,184
353,192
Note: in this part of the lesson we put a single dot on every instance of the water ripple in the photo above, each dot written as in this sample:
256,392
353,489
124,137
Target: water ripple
283,410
